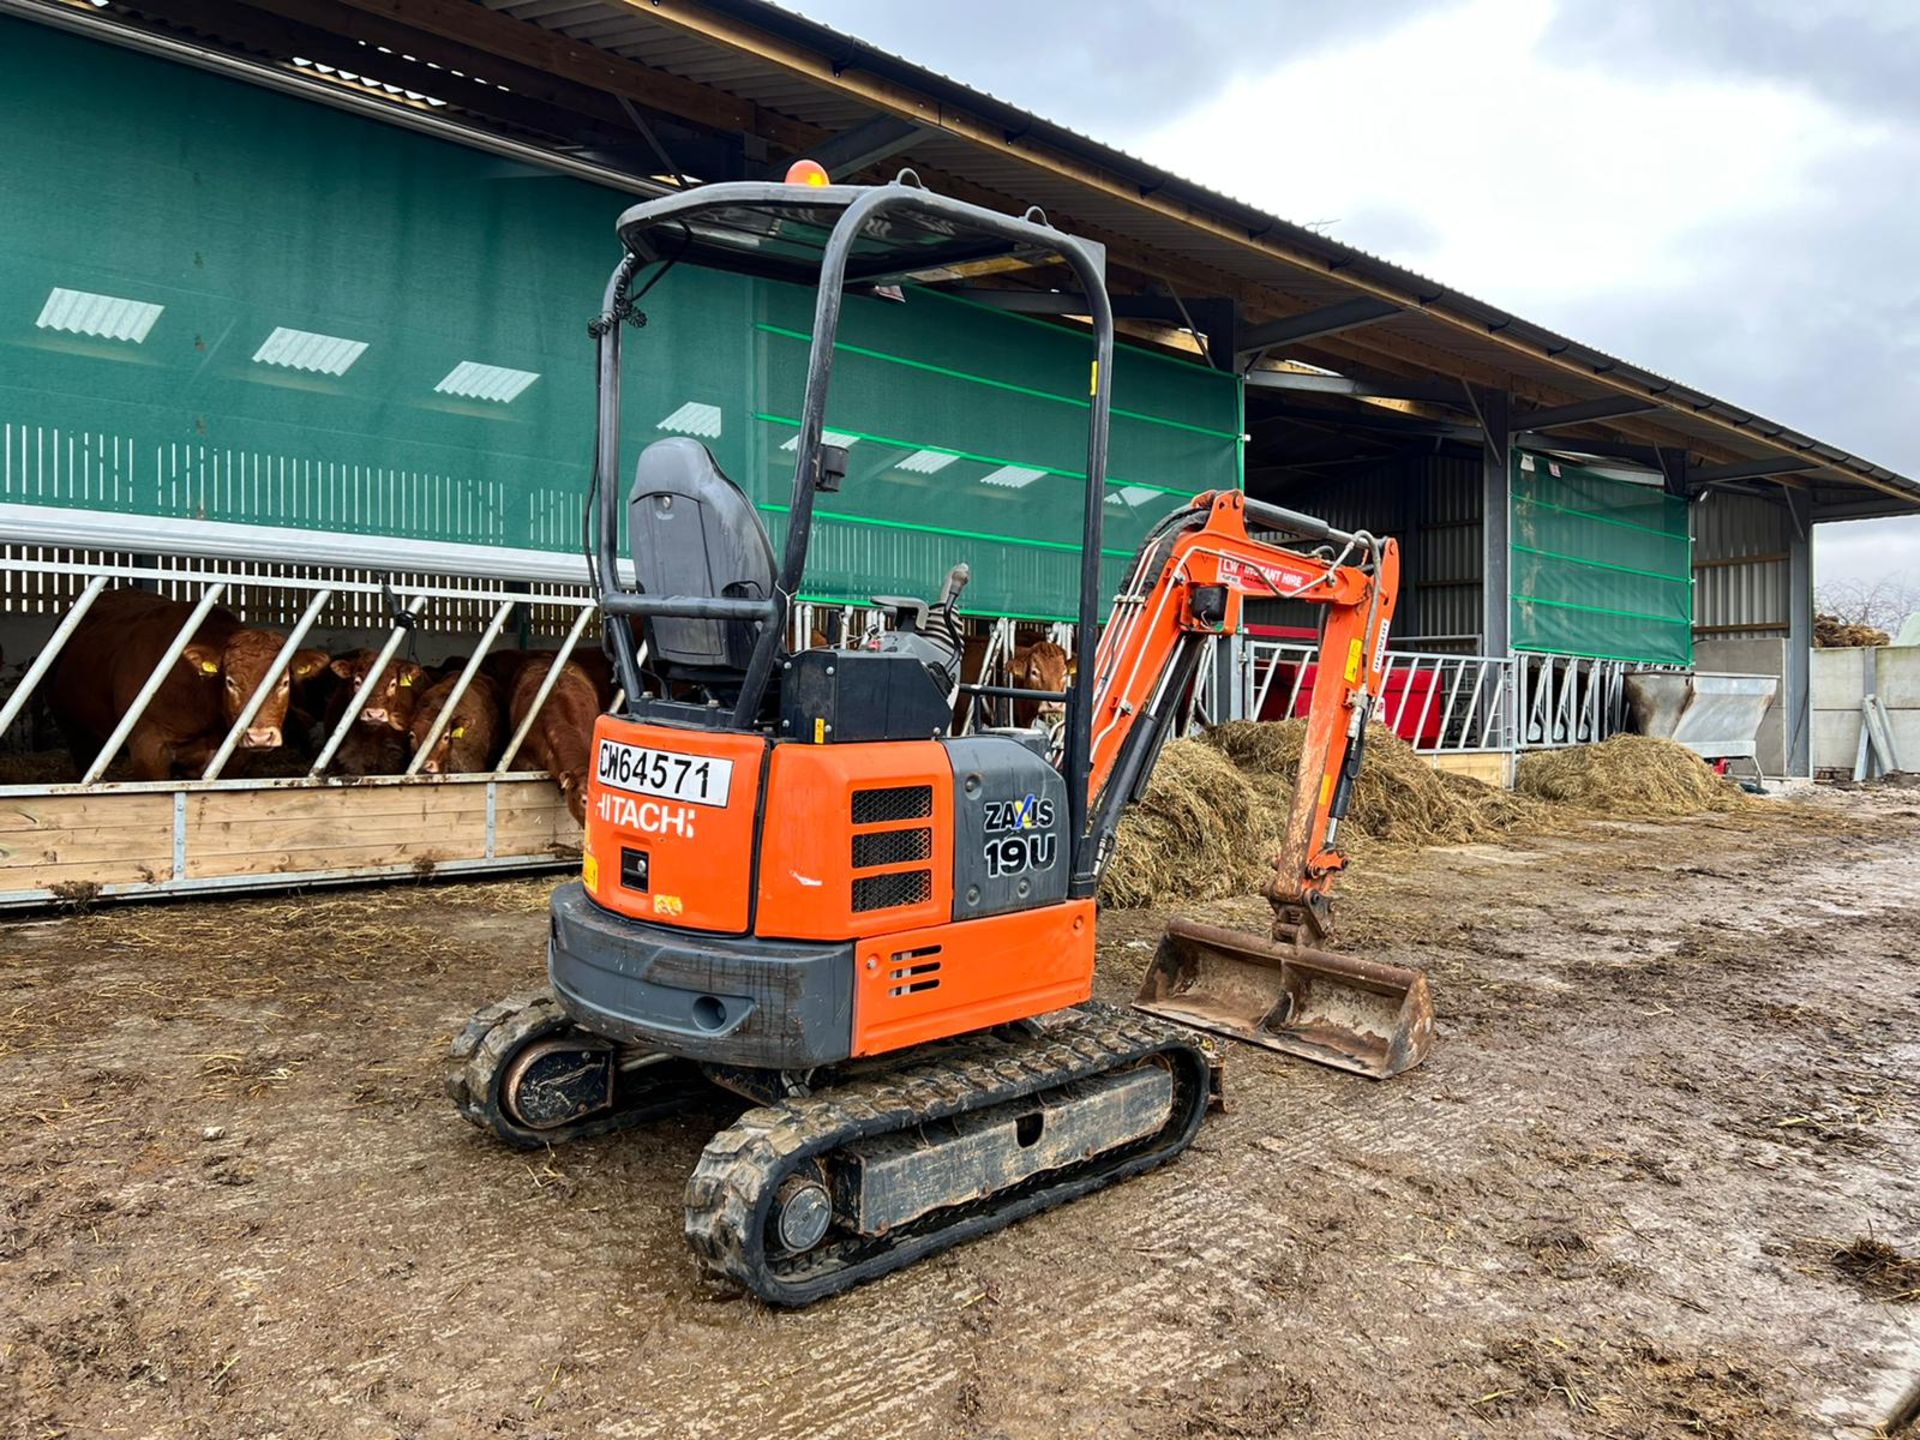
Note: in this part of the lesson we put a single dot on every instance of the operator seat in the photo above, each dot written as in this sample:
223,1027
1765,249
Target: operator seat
694,532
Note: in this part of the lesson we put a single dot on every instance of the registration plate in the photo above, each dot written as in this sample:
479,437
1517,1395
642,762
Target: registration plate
698,779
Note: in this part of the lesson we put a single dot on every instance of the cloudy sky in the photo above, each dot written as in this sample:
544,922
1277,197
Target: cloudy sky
1721,190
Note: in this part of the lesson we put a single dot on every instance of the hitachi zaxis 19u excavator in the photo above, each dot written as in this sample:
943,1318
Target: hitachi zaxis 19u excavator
799,887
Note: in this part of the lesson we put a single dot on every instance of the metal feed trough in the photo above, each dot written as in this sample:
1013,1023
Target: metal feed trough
1715,716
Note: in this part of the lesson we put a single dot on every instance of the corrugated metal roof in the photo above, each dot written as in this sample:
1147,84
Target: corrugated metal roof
805,78
809,73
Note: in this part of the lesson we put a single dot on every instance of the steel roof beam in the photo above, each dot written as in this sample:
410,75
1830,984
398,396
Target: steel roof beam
1328,320
1610,407
1434,392
1751,469
853,150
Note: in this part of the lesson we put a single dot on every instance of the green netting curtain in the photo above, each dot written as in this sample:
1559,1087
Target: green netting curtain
220,302
1601,566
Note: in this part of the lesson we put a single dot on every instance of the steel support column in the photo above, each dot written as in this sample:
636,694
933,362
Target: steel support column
1229,678
1496,514
1798,696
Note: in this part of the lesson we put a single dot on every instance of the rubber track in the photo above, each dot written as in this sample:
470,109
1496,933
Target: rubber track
483,1051
731,1190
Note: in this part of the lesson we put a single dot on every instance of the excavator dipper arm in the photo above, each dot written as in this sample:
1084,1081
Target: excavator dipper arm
1191,582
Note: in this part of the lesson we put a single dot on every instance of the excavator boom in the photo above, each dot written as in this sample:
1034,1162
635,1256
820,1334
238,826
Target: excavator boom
1191,582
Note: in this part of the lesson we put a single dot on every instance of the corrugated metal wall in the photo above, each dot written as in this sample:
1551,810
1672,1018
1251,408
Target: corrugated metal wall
1445,554
1740,567
1431,504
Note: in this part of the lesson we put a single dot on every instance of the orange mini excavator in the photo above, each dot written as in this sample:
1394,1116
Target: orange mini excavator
800,888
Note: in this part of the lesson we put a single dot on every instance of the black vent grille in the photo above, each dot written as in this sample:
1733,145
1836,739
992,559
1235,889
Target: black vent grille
900,802
884,892
891,847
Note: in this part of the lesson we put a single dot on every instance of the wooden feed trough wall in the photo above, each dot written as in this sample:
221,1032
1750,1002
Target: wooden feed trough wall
75,842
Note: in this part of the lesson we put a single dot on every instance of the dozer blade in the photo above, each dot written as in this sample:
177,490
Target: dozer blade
1361,1015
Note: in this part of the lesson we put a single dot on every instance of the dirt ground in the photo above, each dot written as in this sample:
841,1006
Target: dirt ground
1674,1087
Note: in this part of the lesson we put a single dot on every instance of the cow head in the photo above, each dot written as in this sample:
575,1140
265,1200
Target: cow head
240,665
391,701
439,759
1041,666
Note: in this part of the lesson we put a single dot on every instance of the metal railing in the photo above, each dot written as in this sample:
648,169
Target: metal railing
1437,703
1571,699
249,590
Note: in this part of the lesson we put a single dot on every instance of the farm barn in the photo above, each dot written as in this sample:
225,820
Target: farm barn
295,379
322,365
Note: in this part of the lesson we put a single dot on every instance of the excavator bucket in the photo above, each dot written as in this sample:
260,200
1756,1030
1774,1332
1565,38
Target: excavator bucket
1360,1015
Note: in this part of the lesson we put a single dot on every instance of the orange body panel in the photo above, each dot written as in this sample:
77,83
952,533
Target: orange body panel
919,985
699,854
809,879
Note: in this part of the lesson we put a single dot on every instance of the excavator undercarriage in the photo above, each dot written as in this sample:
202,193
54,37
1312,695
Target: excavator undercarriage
871,1165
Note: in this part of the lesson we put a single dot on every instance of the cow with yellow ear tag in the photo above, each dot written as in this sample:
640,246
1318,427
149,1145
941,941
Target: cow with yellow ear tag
470,739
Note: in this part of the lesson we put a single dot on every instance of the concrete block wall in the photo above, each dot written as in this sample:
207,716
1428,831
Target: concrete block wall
1842,678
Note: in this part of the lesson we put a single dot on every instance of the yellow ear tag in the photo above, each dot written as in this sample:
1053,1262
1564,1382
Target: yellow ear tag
459,731
207,667
407,680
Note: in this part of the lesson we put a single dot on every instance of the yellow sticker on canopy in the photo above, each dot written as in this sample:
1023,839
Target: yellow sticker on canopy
819,731
1354,651
1093,379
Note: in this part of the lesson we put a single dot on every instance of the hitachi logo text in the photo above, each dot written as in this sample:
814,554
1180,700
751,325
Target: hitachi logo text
650,817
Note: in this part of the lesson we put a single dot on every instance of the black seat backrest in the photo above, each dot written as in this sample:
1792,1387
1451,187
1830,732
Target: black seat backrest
695,533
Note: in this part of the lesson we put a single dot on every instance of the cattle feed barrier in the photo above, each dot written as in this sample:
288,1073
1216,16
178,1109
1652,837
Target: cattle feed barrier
93,836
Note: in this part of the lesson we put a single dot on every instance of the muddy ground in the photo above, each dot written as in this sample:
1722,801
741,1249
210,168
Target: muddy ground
1675,1081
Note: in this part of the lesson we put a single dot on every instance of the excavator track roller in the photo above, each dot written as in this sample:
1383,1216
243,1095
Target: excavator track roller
1365,1016
801,1200
523,1071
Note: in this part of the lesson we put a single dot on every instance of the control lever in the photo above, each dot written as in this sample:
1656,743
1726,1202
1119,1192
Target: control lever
957,579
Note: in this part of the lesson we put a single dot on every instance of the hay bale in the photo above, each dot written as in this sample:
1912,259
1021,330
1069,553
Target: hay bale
1629,775
1830,632
1202,831
1213,815
1400,797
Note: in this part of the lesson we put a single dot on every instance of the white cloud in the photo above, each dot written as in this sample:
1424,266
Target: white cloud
1867,551
1511,174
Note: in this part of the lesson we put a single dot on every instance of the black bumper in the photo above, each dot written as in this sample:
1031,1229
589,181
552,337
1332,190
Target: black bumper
770,1004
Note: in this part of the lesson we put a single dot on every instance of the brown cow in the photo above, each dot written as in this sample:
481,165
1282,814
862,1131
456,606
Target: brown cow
468,743
114,650
1042,665
561,740
505,667
376,742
